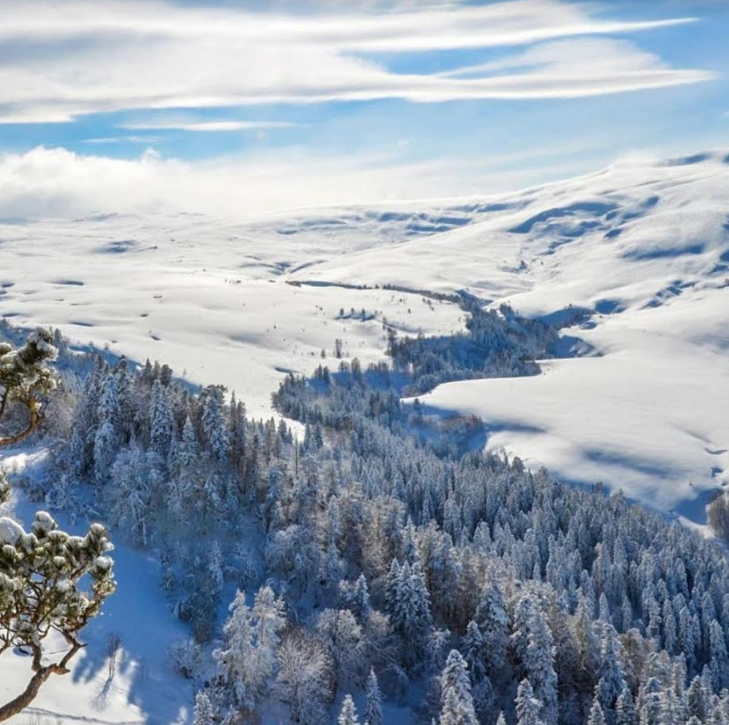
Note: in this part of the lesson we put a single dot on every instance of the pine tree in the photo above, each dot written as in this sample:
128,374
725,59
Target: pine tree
456,700
251,643
596,716
539,665
527,706
411,606
625,713
25,378
189,453
391,586
106,440
718,655
161,420
84,426
672,711
373,701
359,602
135,476
612,679
348,713
473,651
49,582
493,622
203,710
213,425
4,487
696,699
650,705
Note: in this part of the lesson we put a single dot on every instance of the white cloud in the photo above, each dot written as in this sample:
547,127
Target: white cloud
55,182
80,57
121,139
576,67
207,126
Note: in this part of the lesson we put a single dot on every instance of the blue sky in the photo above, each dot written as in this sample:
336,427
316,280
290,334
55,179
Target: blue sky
277,104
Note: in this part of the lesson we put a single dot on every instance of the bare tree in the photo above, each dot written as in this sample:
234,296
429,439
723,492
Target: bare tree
42,591
113,645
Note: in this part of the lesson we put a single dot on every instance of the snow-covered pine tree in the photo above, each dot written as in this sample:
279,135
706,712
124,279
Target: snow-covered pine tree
527,706
474,647
539,665
373,700
359,602
203,714
213,424
625,712
650,703
596,715
248,657
455,686
106,440
411,610
493,622
162,420
26,378
4,487
348,713
612,678
42,573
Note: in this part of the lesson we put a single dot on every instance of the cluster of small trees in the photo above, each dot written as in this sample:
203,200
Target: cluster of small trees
495,344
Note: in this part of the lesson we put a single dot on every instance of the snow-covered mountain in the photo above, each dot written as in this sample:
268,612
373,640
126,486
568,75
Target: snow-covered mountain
642,248
633,262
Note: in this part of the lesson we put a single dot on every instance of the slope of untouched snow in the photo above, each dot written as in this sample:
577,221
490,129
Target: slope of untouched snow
209,299
144,688
644,250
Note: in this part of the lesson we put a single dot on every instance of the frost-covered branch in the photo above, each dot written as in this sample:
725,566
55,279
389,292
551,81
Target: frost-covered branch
25,378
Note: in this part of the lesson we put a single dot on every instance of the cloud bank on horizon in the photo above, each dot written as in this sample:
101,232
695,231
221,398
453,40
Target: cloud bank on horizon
374,99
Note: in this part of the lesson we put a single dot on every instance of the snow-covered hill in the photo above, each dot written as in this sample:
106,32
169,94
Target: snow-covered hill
643,247
644,250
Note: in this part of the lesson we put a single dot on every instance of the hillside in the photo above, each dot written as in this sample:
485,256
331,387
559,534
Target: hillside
632,264
642,249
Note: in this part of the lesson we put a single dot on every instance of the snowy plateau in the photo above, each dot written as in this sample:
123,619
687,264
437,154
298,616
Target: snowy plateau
631,262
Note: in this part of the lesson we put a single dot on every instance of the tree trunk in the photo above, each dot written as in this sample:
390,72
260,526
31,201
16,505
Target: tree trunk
29,694
35,421
42,673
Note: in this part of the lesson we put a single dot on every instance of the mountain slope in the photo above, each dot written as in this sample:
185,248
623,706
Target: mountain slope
640,251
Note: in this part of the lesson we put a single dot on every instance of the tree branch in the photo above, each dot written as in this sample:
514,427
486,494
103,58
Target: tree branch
35,420
42,673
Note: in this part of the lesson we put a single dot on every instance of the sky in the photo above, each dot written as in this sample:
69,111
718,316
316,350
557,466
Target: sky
244,108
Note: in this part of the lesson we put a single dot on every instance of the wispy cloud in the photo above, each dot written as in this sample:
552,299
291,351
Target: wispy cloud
81,57
102,140
207,126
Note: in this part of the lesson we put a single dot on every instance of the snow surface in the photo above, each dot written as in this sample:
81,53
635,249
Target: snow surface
642,246
208,298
